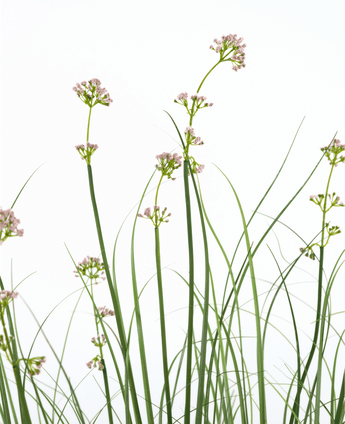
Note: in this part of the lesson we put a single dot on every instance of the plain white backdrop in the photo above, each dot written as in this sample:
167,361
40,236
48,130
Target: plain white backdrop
145,54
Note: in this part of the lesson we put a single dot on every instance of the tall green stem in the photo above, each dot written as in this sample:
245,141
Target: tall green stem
162,321
293,419
319,366
115,300
191,294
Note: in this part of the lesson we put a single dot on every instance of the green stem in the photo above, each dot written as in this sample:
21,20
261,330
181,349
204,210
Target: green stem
293,419
319,366
115,300
156,198
88,125
146,383
24,410
107,392
162,320
208,73
324,208
10,359
191,295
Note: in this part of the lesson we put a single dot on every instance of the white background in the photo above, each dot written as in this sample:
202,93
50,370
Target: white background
145,54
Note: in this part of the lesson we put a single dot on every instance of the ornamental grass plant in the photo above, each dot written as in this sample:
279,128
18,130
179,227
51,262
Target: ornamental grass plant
218,373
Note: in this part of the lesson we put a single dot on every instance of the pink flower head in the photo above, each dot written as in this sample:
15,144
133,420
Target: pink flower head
90,267
147,212
182,96
9,225
189,130
200,169
8,293
105,312
92,93
230,43
197,141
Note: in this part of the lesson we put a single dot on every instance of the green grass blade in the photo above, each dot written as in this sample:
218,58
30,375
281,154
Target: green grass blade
259,352
5,413
115,300
24,410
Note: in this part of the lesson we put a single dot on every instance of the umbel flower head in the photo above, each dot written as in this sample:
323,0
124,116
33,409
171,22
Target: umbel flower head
8,294
168,163
96,361
99,341
230,44
198,102
91,268
85,154
6,297
91,93
9,225
333,151
156,217
105,312
35,365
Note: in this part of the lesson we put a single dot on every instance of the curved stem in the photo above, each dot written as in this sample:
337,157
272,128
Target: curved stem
115,300
208,73
158,189
88,125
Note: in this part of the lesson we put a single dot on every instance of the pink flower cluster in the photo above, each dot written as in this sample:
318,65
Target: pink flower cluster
308,252
9,225
169,157
35,365
194,140
228,42
10,294
85,154
93,339
86,267
99,341
94,363
335,143
168,163
105,312
92,93
335,200
155,217
200,168
200,100
183,97
334,148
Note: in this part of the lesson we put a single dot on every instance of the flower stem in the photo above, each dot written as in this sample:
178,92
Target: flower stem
10,358
191,295
158,189
162,320
320,356
208,73
293,419
115,300
107,393
88,125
